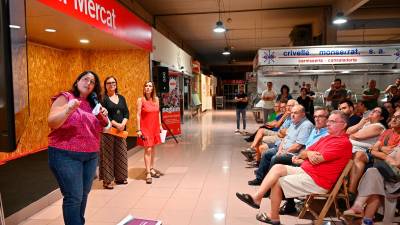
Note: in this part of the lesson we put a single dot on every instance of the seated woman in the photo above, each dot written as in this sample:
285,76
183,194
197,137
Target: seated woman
363,135
269,129
374,191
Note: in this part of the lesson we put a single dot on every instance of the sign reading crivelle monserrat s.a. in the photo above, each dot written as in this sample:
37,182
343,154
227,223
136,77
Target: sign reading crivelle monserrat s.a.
329,55
108,16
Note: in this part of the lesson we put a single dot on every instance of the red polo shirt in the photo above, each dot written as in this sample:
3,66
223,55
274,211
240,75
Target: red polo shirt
336,151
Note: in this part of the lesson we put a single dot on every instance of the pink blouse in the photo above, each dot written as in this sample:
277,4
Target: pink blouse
80,132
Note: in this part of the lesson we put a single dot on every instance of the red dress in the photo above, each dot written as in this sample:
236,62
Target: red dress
149,124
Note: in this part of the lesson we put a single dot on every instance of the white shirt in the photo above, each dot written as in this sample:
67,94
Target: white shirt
270,103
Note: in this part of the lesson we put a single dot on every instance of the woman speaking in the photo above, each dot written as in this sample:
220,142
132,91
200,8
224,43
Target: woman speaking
149,127
74,143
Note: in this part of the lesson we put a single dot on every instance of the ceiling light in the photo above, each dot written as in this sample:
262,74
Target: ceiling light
339,19
50,30
219,27
15,26
226,51
84,41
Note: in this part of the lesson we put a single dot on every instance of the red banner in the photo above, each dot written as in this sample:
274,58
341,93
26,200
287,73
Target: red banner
108,16
171,107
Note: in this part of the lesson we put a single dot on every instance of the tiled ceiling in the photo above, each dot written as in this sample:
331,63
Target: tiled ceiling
253,24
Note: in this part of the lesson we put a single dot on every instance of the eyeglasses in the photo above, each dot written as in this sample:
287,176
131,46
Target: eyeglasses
111,83
396,118
320,117
88,80
334,121
376,111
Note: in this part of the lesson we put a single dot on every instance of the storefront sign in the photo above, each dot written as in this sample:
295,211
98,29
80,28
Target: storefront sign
329,55
108,16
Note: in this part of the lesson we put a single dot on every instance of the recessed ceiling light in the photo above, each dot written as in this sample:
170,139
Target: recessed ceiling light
84,41
15,26
50,30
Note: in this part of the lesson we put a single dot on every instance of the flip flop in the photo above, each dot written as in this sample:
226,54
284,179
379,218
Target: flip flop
262,217
246,198
351,213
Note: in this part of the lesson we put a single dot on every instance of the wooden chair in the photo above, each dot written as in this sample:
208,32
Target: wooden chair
340,190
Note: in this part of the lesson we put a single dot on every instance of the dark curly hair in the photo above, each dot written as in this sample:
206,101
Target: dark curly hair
97,87
287,88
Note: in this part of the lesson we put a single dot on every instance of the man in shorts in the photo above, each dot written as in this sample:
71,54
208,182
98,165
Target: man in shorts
321,165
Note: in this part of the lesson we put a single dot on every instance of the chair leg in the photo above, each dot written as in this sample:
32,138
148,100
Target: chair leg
306,206
324,210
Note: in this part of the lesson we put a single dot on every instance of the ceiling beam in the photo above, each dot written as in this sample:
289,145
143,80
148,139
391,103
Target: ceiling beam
348,6
240,11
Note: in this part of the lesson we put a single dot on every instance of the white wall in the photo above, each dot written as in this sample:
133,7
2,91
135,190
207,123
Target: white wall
169,54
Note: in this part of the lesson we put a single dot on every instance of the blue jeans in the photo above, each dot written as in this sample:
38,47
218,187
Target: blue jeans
74,172
285,159
265,163
238,112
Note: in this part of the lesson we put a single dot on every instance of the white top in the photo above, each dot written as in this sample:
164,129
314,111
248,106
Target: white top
364,145
268,104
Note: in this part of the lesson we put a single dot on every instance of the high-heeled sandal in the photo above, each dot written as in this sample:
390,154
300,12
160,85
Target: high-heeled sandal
154,173
108,186
149,180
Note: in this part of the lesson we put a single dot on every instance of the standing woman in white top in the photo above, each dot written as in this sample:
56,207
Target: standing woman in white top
363,136
268,96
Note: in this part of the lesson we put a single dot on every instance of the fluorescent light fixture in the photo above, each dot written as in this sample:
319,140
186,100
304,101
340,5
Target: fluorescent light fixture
50,30
219,27
339,19
84,41
15,26
226,51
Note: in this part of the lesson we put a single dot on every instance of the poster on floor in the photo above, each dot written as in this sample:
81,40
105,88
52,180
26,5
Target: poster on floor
171,115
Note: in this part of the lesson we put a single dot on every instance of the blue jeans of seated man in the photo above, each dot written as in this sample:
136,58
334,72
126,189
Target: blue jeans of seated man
74,172
238,112
285,159
265,162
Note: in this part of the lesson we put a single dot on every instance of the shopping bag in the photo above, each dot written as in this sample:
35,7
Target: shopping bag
163,135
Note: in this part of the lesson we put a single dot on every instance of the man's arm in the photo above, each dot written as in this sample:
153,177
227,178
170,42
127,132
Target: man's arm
294,148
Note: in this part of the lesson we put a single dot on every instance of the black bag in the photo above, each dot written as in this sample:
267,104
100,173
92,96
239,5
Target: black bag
389,173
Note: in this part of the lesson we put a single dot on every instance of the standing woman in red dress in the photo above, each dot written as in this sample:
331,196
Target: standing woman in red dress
149,127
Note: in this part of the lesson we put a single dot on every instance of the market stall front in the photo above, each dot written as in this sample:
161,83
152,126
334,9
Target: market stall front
355,65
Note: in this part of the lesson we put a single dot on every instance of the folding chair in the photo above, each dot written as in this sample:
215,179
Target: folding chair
338,191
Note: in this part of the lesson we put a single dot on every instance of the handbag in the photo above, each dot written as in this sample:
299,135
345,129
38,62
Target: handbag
389,172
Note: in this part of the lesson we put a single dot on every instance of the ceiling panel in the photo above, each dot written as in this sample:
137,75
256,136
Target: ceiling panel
254,24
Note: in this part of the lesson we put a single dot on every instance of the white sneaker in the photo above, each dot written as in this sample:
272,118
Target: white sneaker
237,131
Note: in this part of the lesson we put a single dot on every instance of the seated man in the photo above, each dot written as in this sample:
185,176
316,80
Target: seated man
320,117
347,107
297,135
282,124
321,165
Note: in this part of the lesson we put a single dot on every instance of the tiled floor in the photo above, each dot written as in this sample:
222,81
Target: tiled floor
202,174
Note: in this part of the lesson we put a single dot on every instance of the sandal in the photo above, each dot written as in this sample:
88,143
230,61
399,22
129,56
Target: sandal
108,186
121,182
246,198
149,180
265,219
351,213
154,173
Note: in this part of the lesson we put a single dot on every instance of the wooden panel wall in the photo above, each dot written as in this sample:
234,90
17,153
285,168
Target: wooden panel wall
53,70
131,68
